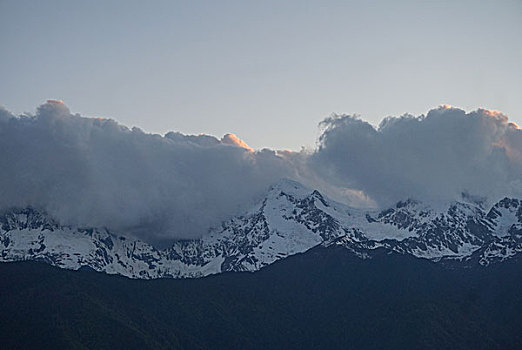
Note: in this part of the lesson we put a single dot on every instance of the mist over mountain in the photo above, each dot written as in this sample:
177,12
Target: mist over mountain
437,156
96,172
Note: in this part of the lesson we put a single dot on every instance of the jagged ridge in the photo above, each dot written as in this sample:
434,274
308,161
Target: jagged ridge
291,219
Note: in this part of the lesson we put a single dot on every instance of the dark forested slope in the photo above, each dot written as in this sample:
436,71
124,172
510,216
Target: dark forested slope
323,299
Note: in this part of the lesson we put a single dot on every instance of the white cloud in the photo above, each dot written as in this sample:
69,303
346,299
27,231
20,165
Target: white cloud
437,156
96,172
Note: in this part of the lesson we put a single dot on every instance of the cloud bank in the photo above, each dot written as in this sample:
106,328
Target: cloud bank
96,172
437,156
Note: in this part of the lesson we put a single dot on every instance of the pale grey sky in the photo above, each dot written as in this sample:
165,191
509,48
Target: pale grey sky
268,71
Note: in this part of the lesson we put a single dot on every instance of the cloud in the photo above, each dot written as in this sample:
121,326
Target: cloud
96,172
231,139
436,156
5,114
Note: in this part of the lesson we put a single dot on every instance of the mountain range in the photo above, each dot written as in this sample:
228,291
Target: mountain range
290,219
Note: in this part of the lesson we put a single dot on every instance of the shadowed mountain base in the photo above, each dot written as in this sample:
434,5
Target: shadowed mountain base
323,299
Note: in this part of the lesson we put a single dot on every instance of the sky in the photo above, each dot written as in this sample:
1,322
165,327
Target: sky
268,71
163,119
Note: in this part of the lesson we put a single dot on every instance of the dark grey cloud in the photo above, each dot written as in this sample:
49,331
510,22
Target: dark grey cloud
436,156
96,172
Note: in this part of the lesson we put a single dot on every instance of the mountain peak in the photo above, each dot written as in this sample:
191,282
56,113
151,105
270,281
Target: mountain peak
291,187
23,218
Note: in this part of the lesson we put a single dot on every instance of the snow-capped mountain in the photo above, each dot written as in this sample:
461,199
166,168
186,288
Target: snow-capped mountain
290,219
459,231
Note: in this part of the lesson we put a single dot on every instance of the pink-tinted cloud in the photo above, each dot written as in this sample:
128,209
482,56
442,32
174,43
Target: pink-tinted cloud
232,139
